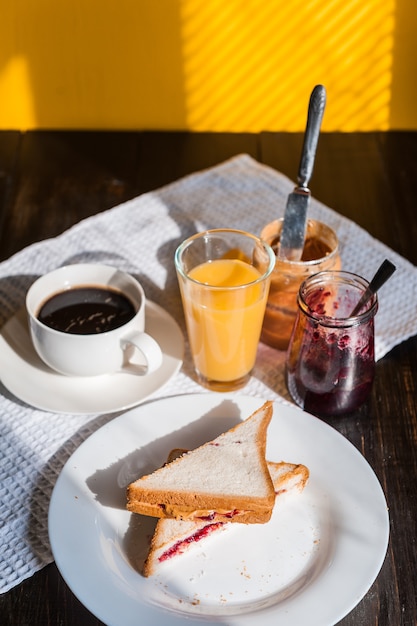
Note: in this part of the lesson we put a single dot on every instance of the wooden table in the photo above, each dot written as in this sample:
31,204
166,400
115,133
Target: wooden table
51,180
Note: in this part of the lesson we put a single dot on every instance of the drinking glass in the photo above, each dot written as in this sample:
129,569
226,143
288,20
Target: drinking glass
224,277
330,360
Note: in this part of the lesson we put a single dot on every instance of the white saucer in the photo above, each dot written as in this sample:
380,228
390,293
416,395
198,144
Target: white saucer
29,379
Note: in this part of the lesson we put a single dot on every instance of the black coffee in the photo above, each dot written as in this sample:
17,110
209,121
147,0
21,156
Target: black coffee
86,310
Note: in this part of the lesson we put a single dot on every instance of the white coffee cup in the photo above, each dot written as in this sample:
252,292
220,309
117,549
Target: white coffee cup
126,348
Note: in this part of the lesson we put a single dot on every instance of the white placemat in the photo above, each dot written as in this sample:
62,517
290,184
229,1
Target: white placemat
140,236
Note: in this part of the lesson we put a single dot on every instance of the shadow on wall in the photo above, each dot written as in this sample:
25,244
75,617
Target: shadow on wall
403,108
95,65
241,65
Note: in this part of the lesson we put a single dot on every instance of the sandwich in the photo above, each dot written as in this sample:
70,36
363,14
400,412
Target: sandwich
224,480
174,537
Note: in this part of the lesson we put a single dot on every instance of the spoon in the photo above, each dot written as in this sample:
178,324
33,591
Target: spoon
383,273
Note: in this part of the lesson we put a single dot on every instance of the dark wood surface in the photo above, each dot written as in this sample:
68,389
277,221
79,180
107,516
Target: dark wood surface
51,180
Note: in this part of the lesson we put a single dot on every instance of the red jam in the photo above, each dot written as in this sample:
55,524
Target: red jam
331,362
180,546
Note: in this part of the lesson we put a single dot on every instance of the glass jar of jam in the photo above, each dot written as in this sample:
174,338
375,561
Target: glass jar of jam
330,360
321,252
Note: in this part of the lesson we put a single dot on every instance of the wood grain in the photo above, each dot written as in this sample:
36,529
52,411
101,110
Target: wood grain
51,180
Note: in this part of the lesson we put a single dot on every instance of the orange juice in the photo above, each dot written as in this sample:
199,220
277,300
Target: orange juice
224,317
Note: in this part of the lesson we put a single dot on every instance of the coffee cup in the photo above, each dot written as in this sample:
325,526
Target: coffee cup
88,319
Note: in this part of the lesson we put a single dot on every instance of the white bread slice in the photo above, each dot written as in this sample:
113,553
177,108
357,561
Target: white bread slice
174,537
226,479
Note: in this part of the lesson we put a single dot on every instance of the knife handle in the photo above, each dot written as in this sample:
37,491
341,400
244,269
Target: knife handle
311,136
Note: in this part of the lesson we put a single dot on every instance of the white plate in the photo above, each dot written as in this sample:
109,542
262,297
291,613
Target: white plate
24,374
311,564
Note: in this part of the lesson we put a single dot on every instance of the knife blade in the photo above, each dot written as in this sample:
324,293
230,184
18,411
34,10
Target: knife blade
293,232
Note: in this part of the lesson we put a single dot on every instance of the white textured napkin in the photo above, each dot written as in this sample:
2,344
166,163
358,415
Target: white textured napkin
140,236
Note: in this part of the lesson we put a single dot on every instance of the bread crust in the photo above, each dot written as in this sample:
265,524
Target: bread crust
144,498
256,515
285,477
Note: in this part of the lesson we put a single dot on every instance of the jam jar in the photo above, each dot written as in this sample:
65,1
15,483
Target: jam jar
321,252
330,361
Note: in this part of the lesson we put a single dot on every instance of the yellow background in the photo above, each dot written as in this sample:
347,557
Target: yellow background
207,65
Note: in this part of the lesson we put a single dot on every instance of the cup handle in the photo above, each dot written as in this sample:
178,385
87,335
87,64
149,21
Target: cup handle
148,348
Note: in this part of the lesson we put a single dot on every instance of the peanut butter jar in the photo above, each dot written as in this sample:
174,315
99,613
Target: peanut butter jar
321,252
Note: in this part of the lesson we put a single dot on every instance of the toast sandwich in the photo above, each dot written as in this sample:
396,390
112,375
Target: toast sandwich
226,479
174,537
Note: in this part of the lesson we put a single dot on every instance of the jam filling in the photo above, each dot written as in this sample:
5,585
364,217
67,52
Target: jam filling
213,514
210,516
181,545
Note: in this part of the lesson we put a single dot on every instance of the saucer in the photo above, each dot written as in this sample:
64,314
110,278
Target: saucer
24,374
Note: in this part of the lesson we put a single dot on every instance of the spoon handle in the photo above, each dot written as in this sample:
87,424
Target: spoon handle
385,271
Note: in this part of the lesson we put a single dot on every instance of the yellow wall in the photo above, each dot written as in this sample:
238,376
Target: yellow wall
217,65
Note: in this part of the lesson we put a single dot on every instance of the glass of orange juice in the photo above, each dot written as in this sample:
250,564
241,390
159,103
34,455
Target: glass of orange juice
224,277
